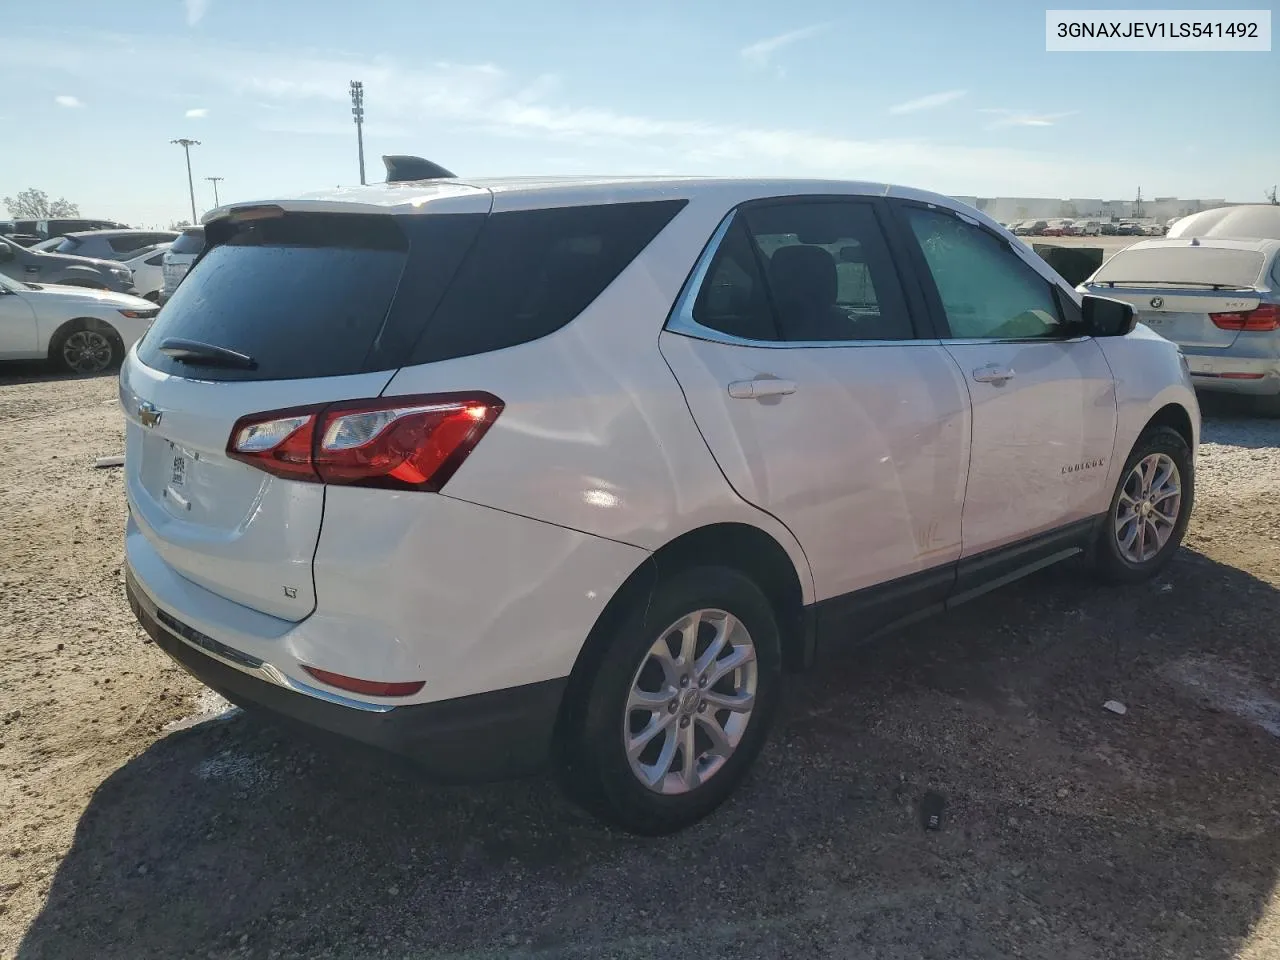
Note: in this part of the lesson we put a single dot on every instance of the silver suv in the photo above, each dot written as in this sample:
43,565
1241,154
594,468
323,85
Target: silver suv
108,244
36,266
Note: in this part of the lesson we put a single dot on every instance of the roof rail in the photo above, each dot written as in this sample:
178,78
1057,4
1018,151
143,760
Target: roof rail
403,168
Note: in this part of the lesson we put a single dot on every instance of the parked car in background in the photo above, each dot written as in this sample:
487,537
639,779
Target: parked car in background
37,266
562,436
79,330
1087,228
1109,228
147,266
1243,222
179,257
1217,298
1056,228
60,227
1031,228
21,232
108,244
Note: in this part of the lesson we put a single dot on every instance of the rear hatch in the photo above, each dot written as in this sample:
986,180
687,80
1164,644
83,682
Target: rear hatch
310,299
1192,293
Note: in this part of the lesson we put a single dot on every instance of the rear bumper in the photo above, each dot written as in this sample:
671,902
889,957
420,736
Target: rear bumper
1229,372
486,736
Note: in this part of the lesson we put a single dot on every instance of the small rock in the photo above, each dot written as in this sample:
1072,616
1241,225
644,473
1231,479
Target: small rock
1063,793
142,869
393,891
1116,707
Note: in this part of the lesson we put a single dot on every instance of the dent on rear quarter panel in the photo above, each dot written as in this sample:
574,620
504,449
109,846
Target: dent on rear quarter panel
596,435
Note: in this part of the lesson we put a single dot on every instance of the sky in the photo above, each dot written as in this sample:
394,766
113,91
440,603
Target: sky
957,98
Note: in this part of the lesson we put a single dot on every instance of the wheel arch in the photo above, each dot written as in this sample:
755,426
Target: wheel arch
67,327
1177,417
738,546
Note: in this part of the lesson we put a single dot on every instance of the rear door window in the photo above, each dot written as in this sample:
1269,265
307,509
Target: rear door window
804,270
533,271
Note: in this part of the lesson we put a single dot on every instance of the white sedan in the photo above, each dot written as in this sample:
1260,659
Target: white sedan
80,330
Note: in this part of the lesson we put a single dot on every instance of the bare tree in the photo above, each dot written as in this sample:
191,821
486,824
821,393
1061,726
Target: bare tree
33,204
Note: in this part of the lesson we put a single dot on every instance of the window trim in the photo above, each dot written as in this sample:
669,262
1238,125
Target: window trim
937,312
680,320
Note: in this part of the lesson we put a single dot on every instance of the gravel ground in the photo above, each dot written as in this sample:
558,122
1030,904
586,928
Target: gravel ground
137,821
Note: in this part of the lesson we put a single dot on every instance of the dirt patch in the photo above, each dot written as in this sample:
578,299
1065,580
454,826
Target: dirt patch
139,818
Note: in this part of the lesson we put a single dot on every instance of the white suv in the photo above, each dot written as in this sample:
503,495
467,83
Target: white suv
492,472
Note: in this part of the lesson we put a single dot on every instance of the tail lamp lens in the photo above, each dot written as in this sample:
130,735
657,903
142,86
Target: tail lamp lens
406,443
1265,316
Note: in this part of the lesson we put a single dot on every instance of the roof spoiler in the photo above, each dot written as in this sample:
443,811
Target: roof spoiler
401,169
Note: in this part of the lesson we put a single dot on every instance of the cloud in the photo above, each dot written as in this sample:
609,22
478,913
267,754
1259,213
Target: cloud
929,102
1022,118
446,102
196,113
759,53
196,10
66,100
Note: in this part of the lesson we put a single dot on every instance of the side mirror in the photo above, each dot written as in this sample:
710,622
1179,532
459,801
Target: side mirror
1104,317
6,253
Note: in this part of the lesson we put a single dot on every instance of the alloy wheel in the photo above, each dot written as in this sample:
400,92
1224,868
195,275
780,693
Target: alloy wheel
87,351
690,702
1148,507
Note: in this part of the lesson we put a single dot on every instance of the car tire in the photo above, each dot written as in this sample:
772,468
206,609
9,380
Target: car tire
634,692
1149,510
86,347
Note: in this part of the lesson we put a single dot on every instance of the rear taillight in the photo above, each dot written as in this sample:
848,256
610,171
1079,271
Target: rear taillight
401,443
1265,316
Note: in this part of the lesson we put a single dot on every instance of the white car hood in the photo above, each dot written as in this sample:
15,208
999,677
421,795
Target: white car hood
97,298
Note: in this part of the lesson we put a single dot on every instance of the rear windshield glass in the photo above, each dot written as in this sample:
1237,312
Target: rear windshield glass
303,295
1178,265
322,295
191,241
67,245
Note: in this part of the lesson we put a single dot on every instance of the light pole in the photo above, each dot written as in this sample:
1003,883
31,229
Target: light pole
186,145
214,181
357,112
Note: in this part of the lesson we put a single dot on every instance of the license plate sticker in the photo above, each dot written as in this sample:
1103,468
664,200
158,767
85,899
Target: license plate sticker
178,475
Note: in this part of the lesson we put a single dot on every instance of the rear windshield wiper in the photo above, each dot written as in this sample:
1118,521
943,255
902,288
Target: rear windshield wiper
206,354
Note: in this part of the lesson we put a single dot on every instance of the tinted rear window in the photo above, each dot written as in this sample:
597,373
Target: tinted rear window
67,245
305,296
1190,265
533,271
322,295
189,242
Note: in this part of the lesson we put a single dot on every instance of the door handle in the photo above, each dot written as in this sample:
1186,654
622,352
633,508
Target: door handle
993,373
765,387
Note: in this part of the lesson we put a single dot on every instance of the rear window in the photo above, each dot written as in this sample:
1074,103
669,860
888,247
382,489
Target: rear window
1201,265
189,242
324,295
305,296
68,245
